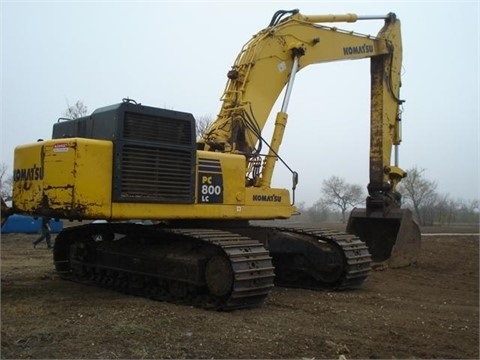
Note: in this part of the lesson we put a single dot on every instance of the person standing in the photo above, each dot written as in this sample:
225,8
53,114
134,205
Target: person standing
45,233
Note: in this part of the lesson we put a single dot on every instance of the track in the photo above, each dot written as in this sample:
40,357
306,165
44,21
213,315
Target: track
206,268
317,258
221,268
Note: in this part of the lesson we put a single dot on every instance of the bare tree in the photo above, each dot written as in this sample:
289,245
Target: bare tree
202,124
6,182
338,193
445,209
76,111
419,193
320,211
468,211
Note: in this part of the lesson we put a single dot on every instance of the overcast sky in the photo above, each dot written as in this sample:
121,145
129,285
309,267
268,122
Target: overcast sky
176,55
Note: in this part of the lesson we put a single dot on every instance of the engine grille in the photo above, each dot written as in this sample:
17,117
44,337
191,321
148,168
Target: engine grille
155,174
155,159
157,129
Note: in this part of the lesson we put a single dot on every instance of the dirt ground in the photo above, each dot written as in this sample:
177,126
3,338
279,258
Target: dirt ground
429,310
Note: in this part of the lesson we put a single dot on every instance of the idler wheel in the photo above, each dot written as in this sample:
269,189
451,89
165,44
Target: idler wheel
219,276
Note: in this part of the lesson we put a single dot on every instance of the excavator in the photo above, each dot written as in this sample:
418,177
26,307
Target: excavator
172,217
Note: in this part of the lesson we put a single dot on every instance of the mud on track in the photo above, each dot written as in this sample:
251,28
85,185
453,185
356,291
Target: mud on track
430,310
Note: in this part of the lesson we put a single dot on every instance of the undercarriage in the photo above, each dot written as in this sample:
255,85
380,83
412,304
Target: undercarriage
223,267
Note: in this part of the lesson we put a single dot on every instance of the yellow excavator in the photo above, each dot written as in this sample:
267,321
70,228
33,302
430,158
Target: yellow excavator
176,214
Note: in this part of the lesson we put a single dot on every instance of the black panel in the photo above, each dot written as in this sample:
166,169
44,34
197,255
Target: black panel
157,128
154,150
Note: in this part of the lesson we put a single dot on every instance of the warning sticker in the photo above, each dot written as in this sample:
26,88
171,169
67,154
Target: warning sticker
60,147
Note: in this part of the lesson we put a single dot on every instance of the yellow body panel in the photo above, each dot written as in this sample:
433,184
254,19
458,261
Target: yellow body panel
65,178
72,179
126,211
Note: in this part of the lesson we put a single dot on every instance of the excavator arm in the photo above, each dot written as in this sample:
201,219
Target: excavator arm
269,62
271,59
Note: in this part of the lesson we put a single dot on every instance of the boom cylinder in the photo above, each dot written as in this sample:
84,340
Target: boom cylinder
269,165
279,129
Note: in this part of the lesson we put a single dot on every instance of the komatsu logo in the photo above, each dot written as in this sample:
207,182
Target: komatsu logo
33,173
354,50
269,198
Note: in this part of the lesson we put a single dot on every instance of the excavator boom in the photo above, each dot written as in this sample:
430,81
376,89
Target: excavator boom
270,61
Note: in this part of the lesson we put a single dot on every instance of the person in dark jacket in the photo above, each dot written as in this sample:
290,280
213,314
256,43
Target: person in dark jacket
45,230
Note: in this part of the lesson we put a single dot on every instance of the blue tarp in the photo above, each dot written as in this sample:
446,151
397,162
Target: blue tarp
28,225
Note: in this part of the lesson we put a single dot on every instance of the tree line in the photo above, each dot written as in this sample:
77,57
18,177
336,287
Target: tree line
419,194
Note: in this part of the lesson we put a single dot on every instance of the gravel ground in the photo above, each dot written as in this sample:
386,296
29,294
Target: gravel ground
429,310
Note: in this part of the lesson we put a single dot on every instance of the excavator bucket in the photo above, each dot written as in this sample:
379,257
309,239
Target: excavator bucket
393,238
